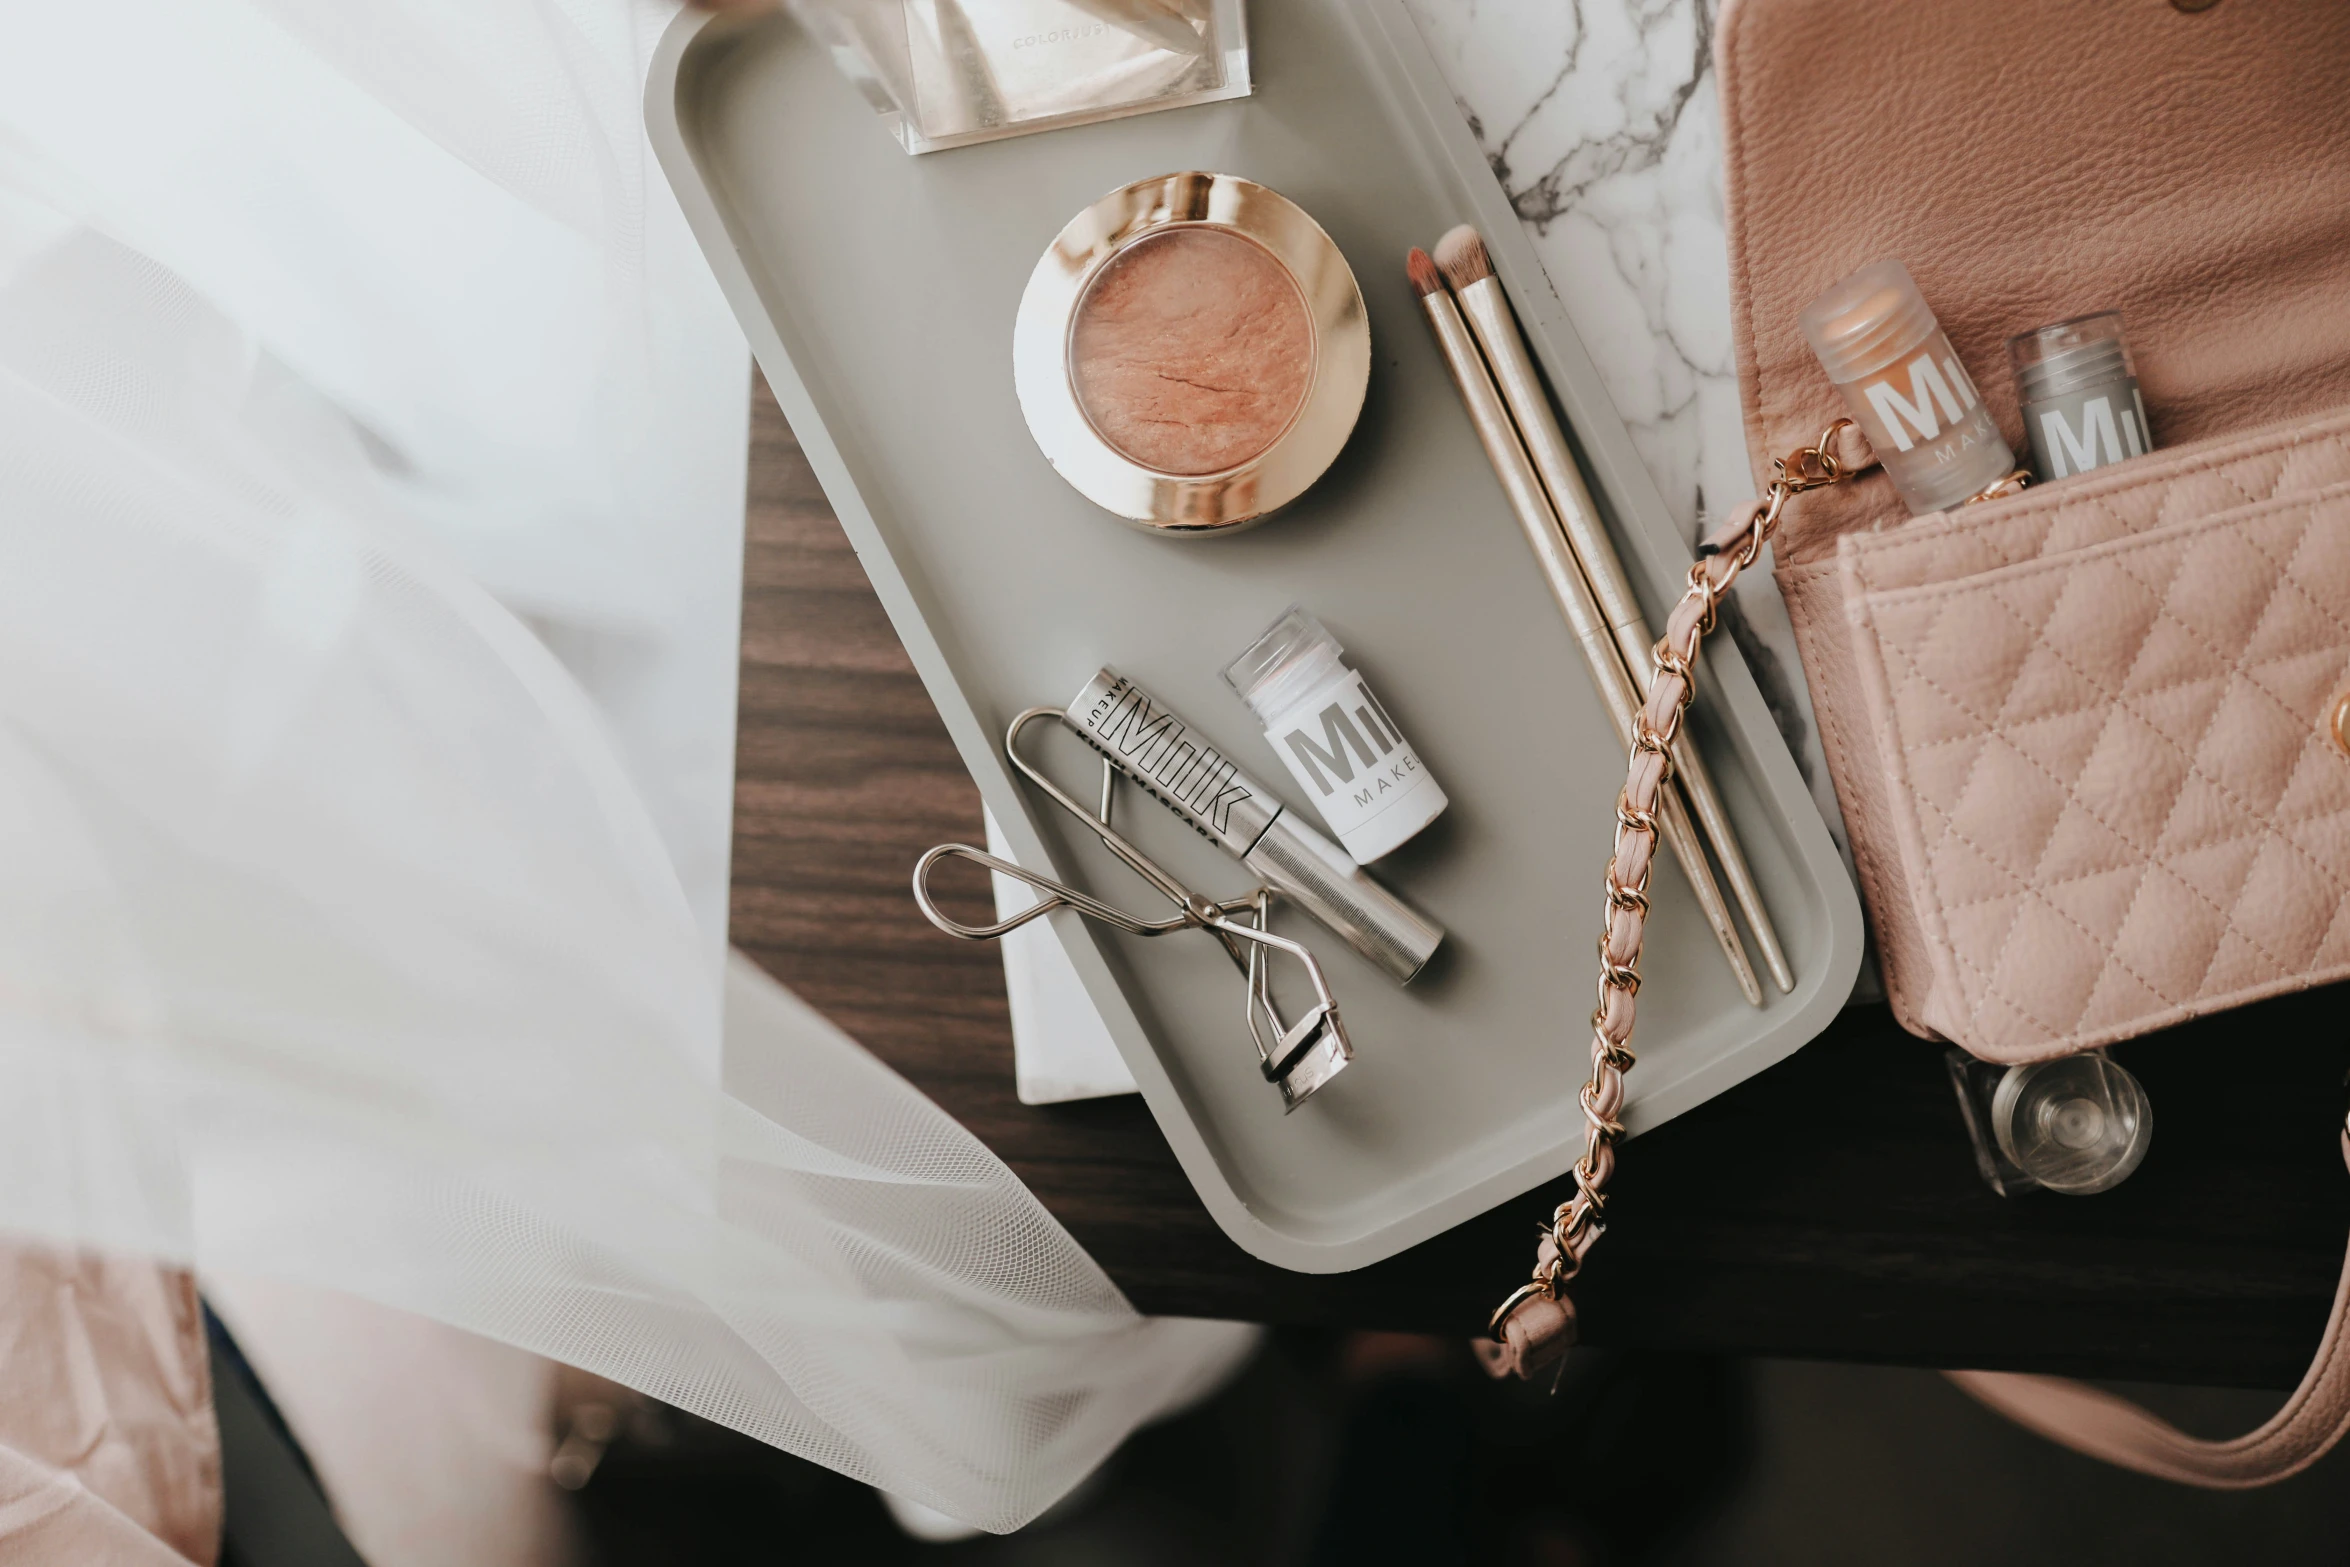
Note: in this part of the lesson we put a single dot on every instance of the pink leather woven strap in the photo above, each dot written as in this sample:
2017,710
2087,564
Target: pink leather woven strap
1536,1324
2102,1425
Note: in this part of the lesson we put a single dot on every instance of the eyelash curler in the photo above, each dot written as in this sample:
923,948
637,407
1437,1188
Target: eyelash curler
1296,1057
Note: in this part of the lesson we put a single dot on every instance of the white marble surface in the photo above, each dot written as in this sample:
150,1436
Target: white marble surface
1599,119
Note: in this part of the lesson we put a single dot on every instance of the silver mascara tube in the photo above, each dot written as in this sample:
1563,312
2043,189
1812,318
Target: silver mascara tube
1174,764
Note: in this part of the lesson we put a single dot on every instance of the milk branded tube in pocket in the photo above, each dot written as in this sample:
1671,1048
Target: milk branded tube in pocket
1337,741
2079,388
1903,385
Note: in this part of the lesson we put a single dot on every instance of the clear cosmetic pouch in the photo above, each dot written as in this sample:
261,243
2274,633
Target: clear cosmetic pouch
948,73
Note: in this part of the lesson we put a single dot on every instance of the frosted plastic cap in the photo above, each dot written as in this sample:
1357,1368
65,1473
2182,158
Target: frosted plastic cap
2070,356
1867,321
1294,656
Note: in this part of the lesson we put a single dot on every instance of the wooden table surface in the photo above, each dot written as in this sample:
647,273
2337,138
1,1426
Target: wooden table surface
1826,1208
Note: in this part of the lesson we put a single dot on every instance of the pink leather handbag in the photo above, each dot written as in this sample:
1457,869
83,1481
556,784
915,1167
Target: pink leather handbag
2091,741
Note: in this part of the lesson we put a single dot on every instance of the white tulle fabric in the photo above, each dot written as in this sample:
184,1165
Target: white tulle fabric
338,939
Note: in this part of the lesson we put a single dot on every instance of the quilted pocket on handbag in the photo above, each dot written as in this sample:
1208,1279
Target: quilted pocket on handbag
2111,759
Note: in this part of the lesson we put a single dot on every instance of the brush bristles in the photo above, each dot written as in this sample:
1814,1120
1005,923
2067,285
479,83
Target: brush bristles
1425,278
1461,255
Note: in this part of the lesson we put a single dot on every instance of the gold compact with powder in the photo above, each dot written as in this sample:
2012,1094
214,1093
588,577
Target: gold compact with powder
1191,352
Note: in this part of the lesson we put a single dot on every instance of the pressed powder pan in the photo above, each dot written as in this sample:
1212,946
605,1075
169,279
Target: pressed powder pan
1191,352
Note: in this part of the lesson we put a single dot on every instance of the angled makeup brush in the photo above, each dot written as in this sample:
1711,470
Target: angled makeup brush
1462,258
1540,524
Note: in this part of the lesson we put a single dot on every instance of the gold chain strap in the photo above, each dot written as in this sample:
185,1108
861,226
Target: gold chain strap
1579,1221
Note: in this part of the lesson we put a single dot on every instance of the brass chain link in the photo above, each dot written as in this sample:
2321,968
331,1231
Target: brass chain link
1578,1222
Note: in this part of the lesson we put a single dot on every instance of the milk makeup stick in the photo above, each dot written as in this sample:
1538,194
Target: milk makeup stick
1903,385
1335,737
2079,388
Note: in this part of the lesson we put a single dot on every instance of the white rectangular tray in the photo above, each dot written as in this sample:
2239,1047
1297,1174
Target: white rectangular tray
878,291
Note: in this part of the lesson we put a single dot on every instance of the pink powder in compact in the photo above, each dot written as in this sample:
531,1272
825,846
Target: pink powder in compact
1192,351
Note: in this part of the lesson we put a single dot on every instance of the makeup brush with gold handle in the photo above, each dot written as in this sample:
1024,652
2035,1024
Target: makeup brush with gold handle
1541,527
1462,258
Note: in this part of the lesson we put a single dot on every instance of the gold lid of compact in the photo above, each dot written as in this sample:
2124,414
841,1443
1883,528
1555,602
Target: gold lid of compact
1191,353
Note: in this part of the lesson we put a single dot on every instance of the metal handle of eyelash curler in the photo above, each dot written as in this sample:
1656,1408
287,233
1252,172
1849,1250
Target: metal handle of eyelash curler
1298,1057
1295,1057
